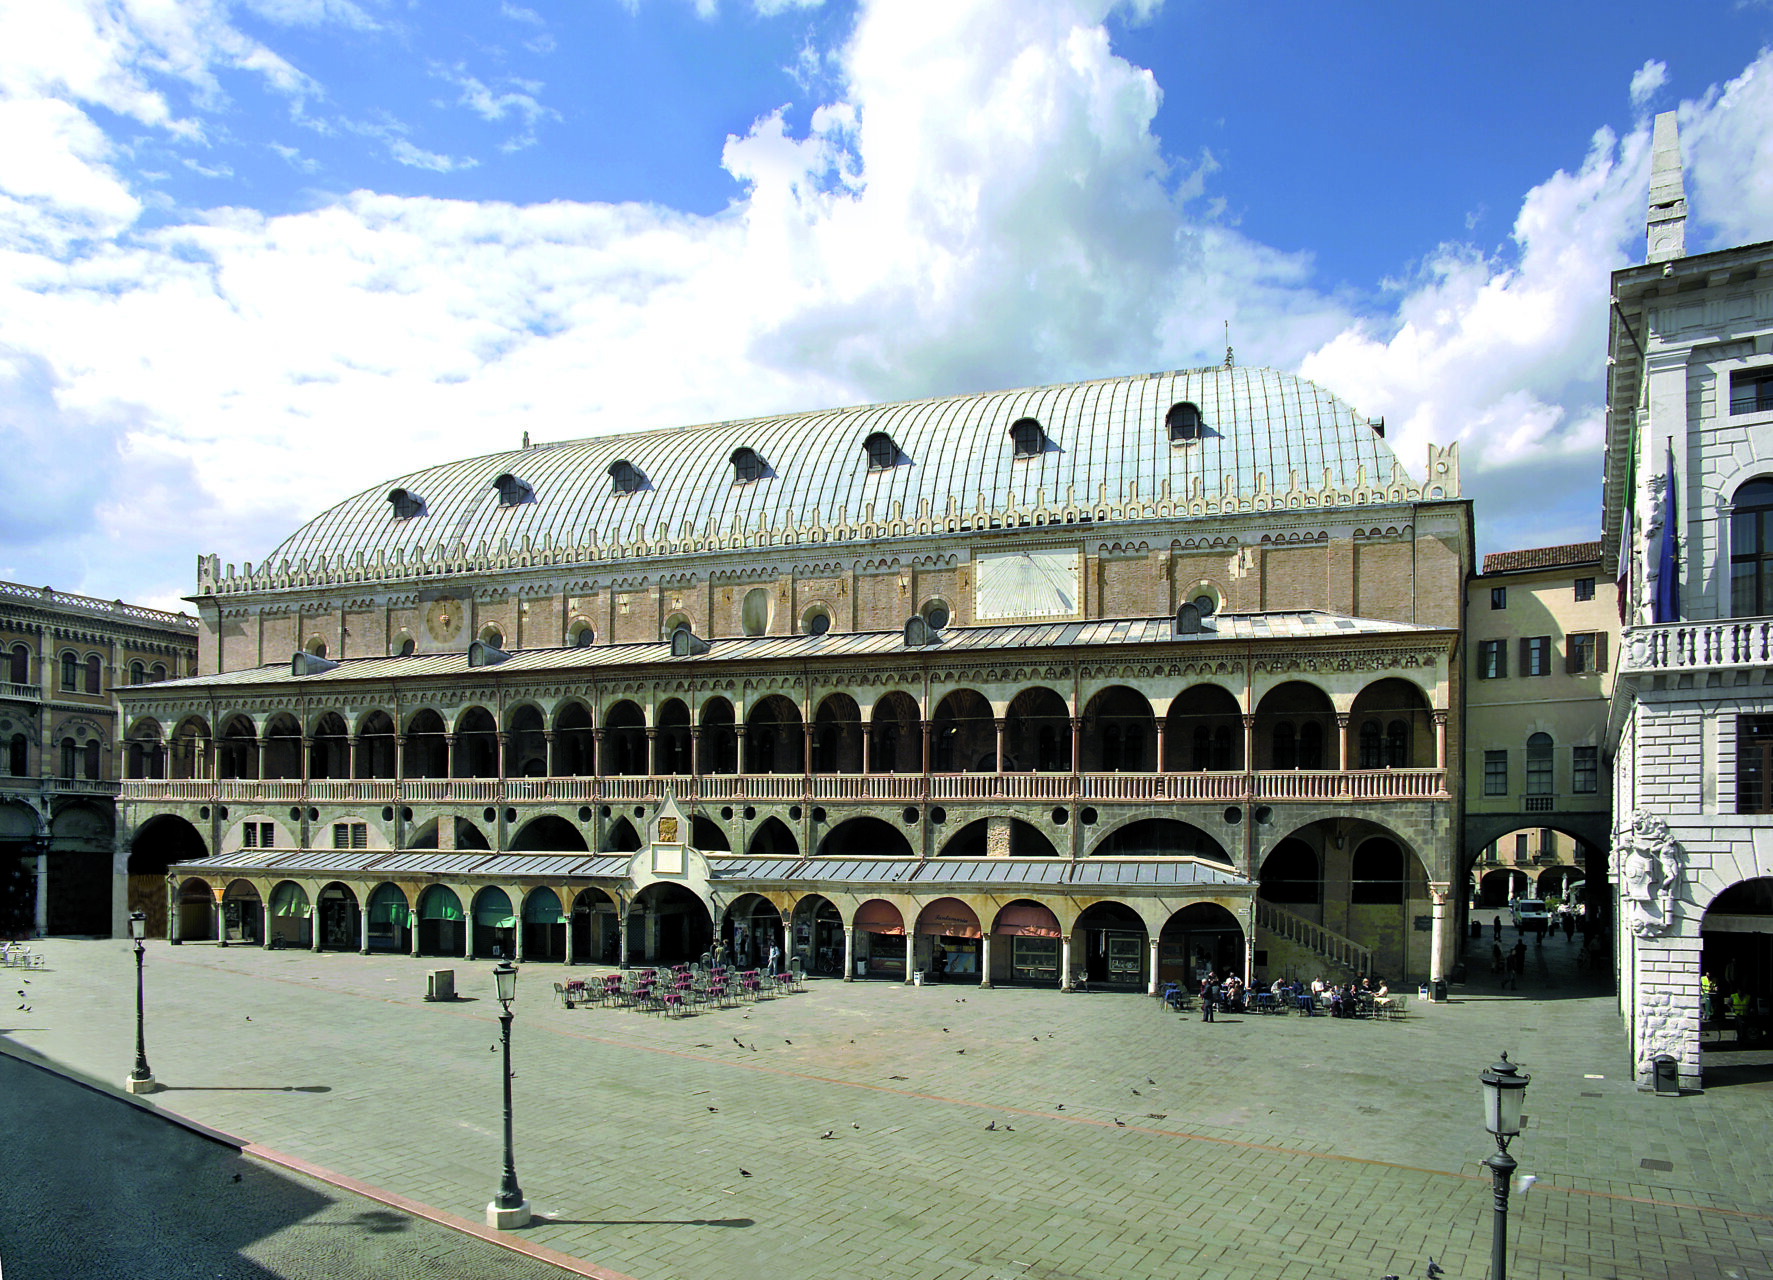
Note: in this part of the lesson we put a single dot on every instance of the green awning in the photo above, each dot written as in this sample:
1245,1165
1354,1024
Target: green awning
492,910
440,904
289,899
542,907
388,906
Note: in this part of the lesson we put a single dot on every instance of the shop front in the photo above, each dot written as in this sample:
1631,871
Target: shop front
544,926
495,927
818,936
441,923
390,921
1200,939
291,924
1113,940
242,913
880,940
341,923
953,931
1026,946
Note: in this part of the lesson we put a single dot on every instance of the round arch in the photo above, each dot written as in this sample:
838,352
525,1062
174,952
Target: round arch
291,922
1037,732
339,918
1109,945
880,940
708,835
549,833
1391,726
544,926
443,925
749,927
476,744
575,740
495,925
526,742
427,746
1119,732
720,737
837,735
774,740
963,734
772,839
1292,874
672,741
243,913
1204,730
1029,951
1736,974
624,741
668,924
376,744
895,734
1158,838
1199,939
621,837
390,920
865,837
818,935
196,911
954,933
595,930
1296,728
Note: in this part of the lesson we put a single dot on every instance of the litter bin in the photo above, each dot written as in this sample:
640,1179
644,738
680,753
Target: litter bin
1440,991
1477,929
917,978
1666,1072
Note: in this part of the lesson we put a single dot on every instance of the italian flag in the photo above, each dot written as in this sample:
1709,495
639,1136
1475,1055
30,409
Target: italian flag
1628,528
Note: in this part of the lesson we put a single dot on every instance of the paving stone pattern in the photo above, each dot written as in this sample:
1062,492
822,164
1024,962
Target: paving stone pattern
1275,1146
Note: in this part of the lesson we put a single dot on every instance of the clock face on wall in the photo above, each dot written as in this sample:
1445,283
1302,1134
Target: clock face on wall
443,619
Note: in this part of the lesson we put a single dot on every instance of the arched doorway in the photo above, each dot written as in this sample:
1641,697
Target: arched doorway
1204,731
818,936
292,922
963,734
443,927
837,736
154,847
879,940
773,840
341,924
1160,838
952,928
1109,946
706,834
1292,877
750,927
595,927
1031,950
243,913
1201,938
526,745
544,926
1037,733
1736,979
667,924
774,741
390,921
1501,886
82,838
895,735
1119,733
998,837
1296,728
720,738
495,927
477,745
196,912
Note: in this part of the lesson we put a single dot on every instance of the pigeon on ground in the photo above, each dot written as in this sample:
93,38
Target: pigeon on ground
944,1029
1435,1268
1149,1080
898,1077
1137,1094
1058,1106
236,1177
249,1017
1119,1123
829,1133
1009,1128
854,1125
492,1048
786,1040
992,1127
714,1108
753,1048
1157,1115
738,1042
961,1051
744,1173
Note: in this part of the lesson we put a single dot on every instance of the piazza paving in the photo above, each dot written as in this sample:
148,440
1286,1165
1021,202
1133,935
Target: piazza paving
1128,1141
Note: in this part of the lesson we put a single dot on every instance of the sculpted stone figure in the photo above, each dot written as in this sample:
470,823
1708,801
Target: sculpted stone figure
1649,868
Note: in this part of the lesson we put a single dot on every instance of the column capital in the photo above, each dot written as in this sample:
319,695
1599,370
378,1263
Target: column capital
1440,717
1342,719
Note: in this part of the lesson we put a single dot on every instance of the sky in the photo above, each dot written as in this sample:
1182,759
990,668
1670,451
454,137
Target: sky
258,256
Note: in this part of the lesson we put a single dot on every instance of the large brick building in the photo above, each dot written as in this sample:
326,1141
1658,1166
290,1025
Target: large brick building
1118,680
1690,422
61,751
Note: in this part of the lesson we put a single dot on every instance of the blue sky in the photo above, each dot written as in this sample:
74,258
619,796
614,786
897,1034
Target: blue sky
255,257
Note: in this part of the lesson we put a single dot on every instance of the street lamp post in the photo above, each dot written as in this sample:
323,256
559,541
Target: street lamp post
508,1208
141,1076
1505,1089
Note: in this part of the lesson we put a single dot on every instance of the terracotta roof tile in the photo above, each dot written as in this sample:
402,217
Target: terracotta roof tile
1542,557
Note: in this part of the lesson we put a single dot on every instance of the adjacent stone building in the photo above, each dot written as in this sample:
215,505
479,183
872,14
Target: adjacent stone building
1112,681
1689,526
1541,639
61,752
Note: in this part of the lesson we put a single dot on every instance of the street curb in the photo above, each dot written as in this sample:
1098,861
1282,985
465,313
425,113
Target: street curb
271,1156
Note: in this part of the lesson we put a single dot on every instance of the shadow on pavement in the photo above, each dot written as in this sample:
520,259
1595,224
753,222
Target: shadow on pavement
114,1190
646,1222
244,1088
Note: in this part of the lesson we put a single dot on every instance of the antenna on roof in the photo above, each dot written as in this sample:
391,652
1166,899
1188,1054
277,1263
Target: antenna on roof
1228,344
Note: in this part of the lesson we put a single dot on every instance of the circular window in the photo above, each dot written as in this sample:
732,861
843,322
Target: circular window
938,815
317,647
909,816
493,638
1060,817
404,645
935,614
584,636
816,623
1206,604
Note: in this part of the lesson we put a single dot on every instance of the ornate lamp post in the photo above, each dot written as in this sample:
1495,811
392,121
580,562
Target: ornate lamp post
1505,1089
508,1208
141,1077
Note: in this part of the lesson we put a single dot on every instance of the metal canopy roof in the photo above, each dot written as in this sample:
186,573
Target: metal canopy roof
1105,439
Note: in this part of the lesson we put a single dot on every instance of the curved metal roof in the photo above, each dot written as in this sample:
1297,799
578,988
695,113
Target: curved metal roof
1106,441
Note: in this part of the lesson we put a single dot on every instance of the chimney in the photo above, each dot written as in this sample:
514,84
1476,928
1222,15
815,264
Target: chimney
1667,228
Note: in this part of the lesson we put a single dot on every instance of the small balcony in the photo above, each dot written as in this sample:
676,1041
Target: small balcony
1699,646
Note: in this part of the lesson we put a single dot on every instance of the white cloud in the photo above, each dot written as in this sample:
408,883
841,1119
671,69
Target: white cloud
1646,80
514,98
979,203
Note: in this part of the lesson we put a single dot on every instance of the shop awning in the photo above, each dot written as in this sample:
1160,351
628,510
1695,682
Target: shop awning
1026,920
542,907
440,904
876,916
492,910
387,905
289,899
948,918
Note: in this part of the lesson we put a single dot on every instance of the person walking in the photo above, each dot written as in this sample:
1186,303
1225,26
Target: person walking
1209,996
1496,924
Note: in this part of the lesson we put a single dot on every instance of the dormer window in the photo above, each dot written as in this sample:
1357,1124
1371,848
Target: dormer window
1027,437
625,477
748,466
883,454
1183,421
407,504
512,491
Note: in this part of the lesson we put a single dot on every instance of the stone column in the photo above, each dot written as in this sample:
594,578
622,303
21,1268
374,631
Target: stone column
985,960
597,752
499,756
1151,986
927,762
548,755
1250,946
412,928
449,755
1065,963
1437,940
652,751
307,763
42,918
1000,736
314,925
264,923
517,927
264,750
1158,764
695,755
1249,744
621,934
849,953
221,924
363,927
1342,741
399,764
1440,740
351,765
910,953
1076,746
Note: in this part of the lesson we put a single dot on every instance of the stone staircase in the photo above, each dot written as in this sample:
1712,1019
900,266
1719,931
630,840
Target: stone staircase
1326,944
